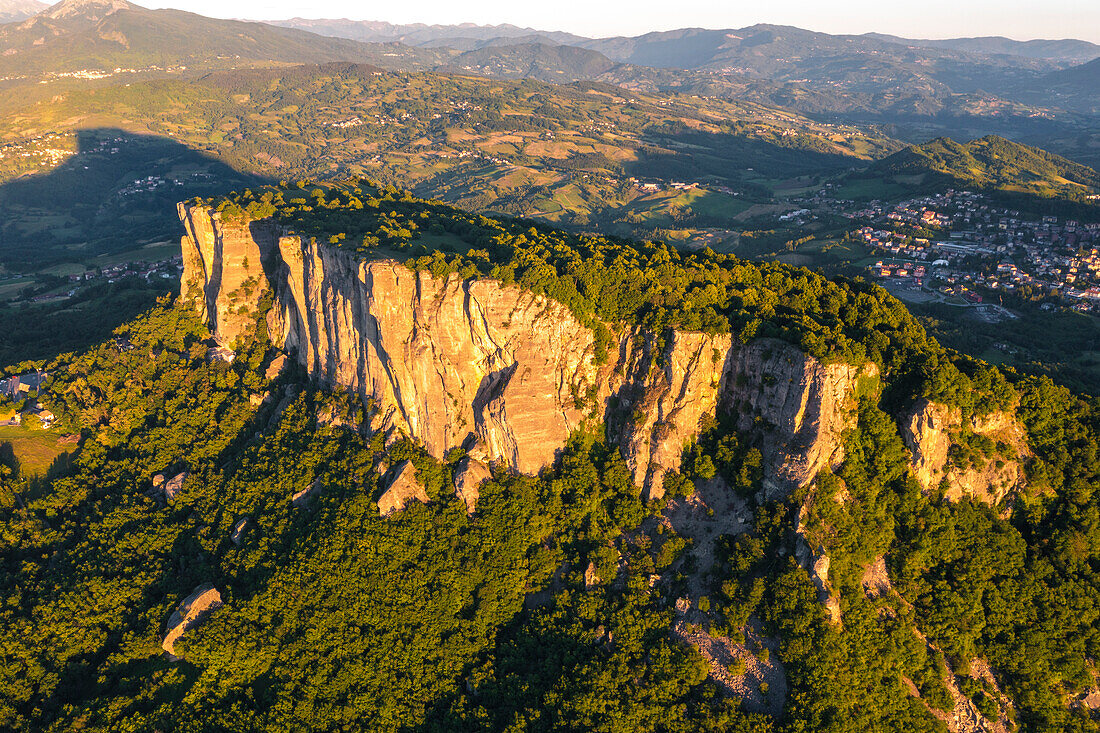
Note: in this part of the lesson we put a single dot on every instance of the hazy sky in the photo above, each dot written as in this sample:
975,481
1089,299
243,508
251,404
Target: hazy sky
1022,19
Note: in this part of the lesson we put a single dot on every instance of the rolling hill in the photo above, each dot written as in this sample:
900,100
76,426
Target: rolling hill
463,36
991,163
1067,50
860,77
1077,88
563,154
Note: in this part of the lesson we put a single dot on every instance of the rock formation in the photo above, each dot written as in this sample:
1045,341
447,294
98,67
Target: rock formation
802,406
452,361
401,488
470,474
302,497
275,368
930,430
191,611
661,394
173,486
816,563
225,264
239,528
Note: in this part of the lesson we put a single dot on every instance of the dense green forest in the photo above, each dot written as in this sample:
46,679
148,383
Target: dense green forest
336,618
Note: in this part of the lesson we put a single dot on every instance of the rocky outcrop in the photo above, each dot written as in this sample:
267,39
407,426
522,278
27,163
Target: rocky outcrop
816,563
173,486
470,474
166,489
451,362
876,579
302,497
236,535
800,407
661,393
402,487
191,612
223,268
441,359
930,430
275,368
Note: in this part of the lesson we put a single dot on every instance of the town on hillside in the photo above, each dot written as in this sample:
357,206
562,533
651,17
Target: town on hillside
960,244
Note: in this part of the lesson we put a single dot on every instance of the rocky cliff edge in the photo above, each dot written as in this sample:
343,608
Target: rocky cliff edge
453,362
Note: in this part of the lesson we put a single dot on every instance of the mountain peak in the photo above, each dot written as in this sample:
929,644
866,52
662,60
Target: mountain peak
94,10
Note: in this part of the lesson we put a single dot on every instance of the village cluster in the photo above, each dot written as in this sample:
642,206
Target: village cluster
164,270
972,244
18,407
53,148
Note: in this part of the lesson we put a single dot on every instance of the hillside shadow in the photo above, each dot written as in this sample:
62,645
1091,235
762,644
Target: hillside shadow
111,202
728,157
116,193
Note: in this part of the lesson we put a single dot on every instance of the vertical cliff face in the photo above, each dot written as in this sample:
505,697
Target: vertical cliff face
946,453
224,268
661,391
448,362
454,362
800,406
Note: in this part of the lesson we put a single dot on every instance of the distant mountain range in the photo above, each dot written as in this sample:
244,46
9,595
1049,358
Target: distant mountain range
107,34
1076,88
811,72
464,36
961,88
16,10
682,48
1070,51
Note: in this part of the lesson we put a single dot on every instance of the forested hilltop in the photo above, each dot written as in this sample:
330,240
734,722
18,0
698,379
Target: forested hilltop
364,583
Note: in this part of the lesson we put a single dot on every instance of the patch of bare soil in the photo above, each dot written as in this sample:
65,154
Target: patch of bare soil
711,511
714,510
762,688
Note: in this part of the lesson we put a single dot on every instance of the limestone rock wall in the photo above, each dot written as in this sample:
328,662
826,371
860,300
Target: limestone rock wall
800,406
453,362
931,429
223,268
661,393
443,361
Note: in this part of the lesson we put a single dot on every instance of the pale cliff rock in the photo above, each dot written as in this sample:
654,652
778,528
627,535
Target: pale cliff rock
302,497
236,535
223,268
931,429
173,486
470,474
166,488
662,395
801,406
816,563
191,612
275,368
876,579
441,359
450,361
402,488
